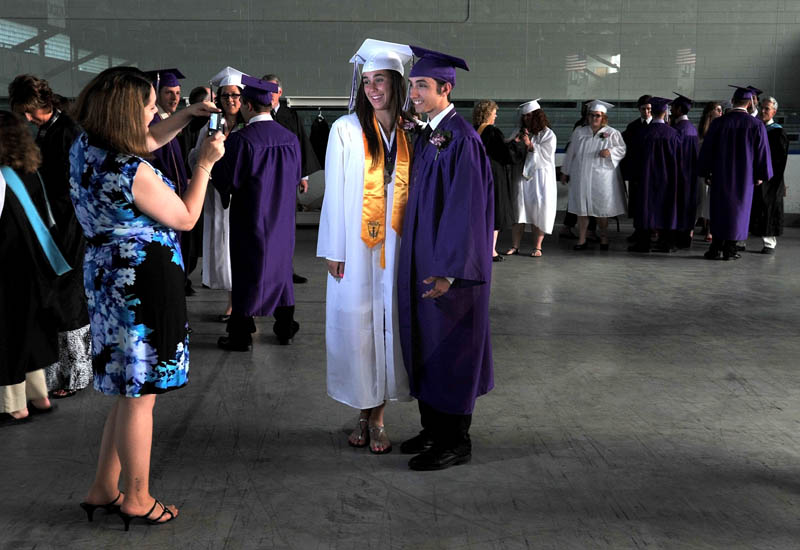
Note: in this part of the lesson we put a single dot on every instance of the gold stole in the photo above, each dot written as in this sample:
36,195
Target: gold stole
482,127
373,211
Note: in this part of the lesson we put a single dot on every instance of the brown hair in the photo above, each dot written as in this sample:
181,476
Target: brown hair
17,148
111,108
537,121
482,110
705,119
28,93
364,112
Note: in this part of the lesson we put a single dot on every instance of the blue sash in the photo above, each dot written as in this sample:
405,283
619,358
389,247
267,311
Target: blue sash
57,261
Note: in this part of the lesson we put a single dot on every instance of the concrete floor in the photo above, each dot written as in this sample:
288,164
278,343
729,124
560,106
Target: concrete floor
640,402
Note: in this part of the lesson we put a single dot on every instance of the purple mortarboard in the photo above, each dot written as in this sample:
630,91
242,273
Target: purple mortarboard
682,100
258,90
436,65
755,90
659,104
165,78
742,93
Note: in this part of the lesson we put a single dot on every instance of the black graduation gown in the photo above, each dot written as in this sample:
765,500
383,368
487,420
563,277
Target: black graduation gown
289,119
319,138
54,140
506,160
28,327
766,214
629,165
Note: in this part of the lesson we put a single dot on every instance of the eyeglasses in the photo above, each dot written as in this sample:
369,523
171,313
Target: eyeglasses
595,116
230,96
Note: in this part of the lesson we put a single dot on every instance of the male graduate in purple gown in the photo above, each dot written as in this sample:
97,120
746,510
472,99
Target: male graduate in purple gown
656,170
687,184
444,269
260,169
169,158
734,158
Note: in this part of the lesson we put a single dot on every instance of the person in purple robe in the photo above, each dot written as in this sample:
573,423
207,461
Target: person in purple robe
261,168
170,161
444,270
734,158
687,171
656,170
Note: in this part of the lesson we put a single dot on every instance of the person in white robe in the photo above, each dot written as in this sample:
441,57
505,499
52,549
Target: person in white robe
216,231
535,186
592,166
367,166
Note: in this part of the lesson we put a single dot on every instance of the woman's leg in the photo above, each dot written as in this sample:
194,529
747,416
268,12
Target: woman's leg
602,230
358,437
494,245
516,236
134,440
230,303
105,487
380,441
538,238
36,389
583,225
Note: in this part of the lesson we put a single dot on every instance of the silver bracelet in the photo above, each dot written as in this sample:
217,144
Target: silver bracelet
206,169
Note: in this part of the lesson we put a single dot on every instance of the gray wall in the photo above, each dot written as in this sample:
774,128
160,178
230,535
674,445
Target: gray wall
517,49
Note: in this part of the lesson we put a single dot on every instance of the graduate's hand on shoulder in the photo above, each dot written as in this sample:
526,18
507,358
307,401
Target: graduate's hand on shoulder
440,286
202,109
302,187
336,269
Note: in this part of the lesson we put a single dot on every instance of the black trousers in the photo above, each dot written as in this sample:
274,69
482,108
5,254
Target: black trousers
241,327
449,431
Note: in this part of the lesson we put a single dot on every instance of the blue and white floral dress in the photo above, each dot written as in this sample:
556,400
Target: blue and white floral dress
133,276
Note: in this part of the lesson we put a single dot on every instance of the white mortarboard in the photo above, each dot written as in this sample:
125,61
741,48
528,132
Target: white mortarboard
600,106
228,77
376,55
530,106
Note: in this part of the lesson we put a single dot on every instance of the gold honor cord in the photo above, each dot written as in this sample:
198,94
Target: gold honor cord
373,210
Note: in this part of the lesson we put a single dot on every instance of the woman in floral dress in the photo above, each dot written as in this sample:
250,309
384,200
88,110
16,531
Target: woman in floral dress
133,273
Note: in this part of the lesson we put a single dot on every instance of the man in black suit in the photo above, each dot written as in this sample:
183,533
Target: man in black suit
626,165
289,119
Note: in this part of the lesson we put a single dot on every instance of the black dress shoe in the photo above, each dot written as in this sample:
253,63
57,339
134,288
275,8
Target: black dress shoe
767,250
731,256
418,444
713,255
438,459
299,279
640,248
584,246
226,343
603,246
741,247
284,340
497,258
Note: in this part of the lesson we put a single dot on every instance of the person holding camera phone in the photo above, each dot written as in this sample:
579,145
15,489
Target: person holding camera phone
216,228
133,274
258,178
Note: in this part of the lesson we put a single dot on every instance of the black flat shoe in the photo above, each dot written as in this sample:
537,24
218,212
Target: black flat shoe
767,250
285,340
731,256
438,459
584,246
713,255
497,258
37,411
7,420
418,444
152,521
110,508
513,251
299,279
603,246
225,343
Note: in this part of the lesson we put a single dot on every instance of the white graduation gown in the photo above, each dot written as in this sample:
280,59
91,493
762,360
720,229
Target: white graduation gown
536,189
216,232
596,187
365,362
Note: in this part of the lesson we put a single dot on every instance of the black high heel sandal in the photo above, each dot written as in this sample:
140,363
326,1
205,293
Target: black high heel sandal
110,508
126,518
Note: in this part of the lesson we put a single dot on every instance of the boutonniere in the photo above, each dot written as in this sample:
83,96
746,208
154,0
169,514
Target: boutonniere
441,139
603,135
409,126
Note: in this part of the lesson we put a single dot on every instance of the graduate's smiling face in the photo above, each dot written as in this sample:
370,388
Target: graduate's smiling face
427,96
168,98
150,108
378,89
230,99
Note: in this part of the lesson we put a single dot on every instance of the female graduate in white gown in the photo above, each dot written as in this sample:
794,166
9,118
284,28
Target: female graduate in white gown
364,359
216,229
535,185
592,164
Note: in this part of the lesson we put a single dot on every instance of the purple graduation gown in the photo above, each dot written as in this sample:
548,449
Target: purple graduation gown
687,182
658,177
260,170
735,153
447,232
169,160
